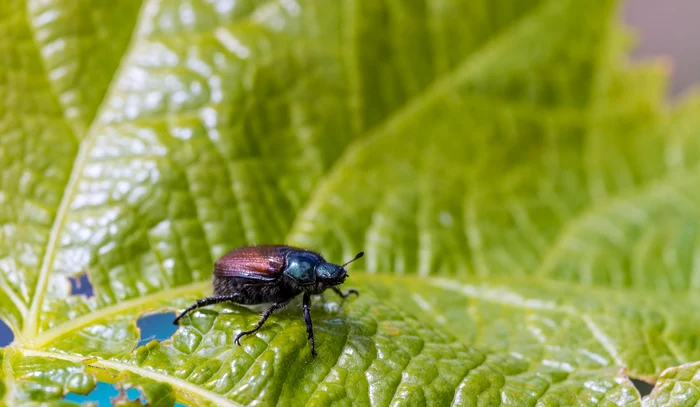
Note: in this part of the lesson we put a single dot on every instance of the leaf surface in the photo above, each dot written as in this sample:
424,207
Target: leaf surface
526,201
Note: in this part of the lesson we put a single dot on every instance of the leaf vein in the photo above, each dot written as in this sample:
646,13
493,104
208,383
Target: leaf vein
21,306
31,322
499,298
602,338
557,248
52,334
438,88
178,384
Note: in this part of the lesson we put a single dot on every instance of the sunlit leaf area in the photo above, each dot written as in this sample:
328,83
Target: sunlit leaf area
527,198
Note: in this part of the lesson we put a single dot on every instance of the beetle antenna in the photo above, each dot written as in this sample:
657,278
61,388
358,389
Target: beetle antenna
357,256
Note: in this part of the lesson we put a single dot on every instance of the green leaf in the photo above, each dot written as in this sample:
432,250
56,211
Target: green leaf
678,386
526,201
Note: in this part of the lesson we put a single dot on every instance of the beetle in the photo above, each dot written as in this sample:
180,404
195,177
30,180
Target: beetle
273,274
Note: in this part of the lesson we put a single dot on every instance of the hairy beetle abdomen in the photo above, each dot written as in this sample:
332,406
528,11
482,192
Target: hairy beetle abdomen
252,291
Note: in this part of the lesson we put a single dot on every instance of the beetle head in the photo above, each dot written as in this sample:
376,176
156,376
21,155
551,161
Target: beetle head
333,274
330,273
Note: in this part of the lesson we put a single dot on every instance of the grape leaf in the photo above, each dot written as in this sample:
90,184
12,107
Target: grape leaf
525,198
677,386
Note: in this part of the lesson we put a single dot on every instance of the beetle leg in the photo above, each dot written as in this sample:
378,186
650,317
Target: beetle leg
307,319
266,315
204,302
345,294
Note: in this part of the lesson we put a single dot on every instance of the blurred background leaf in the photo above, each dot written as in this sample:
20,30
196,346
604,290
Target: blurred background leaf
526,200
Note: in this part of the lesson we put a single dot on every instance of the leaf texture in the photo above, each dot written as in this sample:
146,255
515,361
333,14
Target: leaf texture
526,201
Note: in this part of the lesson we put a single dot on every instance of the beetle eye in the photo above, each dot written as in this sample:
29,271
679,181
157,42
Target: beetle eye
327,271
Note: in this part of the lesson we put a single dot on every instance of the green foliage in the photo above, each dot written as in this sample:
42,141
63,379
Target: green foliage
676,386
527,203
